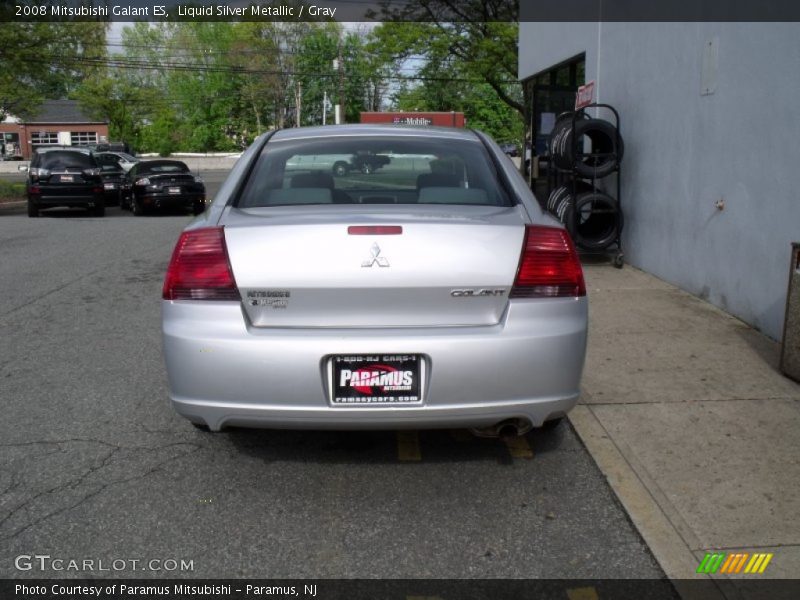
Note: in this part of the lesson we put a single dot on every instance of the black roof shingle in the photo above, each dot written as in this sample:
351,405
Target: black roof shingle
60,111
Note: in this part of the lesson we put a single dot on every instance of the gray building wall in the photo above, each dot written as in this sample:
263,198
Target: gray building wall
684,151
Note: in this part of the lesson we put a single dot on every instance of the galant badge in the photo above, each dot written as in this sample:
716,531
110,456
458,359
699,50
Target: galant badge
376,258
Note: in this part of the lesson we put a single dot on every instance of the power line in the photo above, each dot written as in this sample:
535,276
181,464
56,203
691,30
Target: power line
136,64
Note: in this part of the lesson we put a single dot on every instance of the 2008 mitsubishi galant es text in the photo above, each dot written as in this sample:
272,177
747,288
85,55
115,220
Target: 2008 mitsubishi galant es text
430,293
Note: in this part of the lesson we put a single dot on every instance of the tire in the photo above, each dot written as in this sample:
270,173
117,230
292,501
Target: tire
600,221
340,169
99,210
33,210
136,208
366,168
565,191
605,142
560,127
198,208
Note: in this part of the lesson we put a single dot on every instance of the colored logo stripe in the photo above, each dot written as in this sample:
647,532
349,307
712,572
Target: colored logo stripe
711,562
734,563
758,563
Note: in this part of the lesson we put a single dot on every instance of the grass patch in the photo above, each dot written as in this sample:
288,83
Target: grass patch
11,191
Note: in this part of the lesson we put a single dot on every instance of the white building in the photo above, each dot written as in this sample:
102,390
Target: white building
710,116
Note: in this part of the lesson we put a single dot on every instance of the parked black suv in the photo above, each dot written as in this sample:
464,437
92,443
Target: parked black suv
64,177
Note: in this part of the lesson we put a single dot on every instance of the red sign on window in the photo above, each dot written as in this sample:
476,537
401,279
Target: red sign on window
585,95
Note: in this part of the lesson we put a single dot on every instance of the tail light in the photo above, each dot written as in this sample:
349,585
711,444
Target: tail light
200,268
35,189
549,266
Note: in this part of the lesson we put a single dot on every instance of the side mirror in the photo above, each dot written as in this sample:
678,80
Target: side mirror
23,168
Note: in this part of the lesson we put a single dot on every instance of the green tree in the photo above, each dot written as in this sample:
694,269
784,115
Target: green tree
206,89
254,50
467,49
40,61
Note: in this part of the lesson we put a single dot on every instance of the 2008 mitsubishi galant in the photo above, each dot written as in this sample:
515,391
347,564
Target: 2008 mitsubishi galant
430,293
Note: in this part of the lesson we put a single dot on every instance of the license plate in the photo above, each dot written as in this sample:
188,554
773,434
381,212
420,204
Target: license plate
174,190
110,186
67,178
376,379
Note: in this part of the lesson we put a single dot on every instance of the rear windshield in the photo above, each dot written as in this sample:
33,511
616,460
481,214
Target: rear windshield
371,170
56,159
163,167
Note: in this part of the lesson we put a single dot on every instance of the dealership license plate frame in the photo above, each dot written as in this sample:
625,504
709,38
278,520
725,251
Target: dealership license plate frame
385,398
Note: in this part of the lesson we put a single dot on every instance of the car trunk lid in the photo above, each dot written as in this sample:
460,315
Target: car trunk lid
325,266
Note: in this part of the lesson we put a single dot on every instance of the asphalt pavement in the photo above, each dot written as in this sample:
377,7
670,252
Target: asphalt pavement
95,464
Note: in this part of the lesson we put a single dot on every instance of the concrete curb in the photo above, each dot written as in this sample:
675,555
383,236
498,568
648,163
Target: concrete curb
661,535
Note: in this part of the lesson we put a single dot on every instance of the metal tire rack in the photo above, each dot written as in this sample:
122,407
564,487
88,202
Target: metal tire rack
557,176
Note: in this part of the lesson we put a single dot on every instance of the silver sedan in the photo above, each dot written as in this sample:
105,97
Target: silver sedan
430,293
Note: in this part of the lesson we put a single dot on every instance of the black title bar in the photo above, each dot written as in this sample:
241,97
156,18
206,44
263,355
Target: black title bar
402,10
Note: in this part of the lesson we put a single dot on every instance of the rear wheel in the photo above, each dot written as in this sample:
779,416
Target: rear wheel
366,168
33,210
198,208
99,210
136,208
340,168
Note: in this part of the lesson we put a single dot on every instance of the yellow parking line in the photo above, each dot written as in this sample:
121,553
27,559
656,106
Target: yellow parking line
518,446
584,593
408,446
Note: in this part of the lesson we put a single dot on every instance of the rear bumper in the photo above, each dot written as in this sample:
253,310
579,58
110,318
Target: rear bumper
171,201
223,372
45,201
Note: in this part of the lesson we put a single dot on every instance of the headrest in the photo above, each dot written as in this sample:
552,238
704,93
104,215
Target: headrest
438,180
315,179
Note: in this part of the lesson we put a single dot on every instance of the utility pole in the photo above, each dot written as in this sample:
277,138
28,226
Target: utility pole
298,103
339,64
324,106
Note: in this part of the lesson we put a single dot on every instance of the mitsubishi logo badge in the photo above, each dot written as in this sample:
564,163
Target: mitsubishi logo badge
376,258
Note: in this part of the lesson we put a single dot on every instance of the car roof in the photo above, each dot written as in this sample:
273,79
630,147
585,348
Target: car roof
62,149
378,130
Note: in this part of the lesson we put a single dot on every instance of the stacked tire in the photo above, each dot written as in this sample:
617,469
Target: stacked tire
600,137
590,149
599,220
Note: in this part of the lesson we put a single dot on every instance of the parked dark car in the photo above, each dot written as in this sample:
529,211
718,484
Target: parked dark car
68,177
113,176
158,184
124,160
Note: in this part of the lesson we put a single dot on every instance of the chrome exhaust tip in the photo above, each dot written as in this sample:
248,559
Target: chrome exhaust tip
503,429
